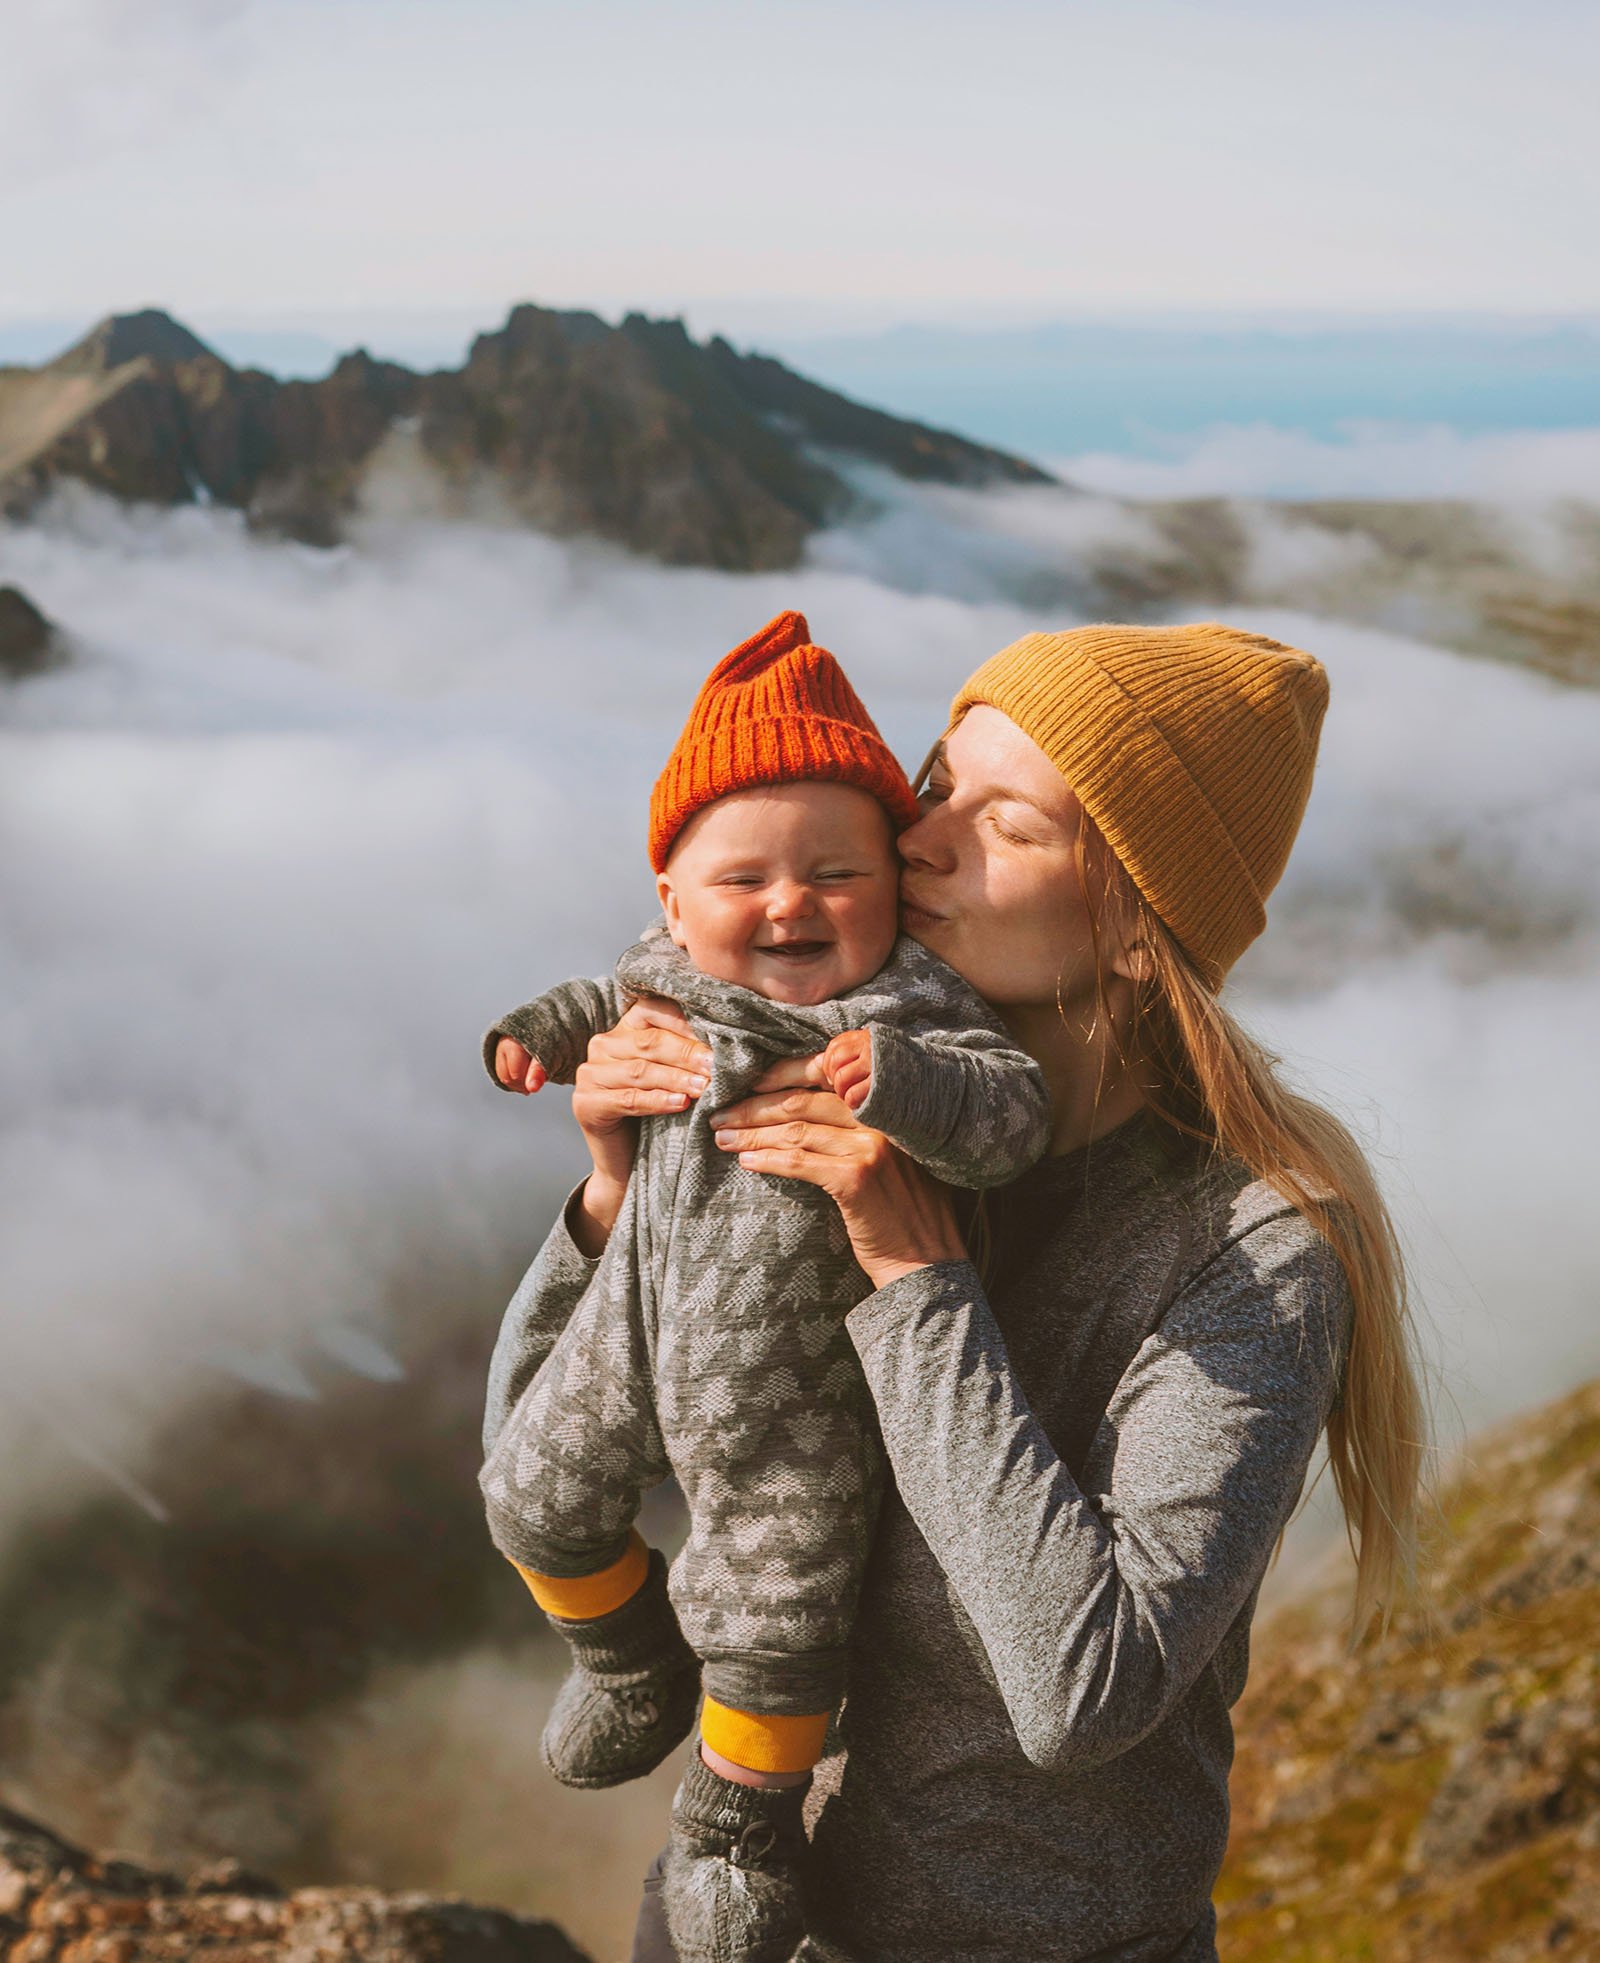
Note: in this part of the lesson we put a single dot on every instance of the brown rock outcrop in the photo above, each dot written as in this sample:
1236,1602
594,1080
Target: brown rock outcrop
695,455
29,644
1437,1797
59,1904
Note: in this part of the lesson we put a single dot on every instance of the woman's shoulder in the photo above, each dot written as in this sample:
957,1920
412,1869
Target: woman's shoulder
1258,1252
1235,1219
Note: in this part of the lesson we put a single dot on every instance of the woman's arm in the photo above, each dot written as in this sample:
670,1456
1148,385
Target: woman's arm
1097,1605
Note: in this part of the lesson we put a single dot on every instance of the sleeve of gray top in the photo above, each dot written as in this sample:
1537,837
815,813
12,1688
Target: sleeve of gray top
1099,1606
538,1312
556,1027
965,1103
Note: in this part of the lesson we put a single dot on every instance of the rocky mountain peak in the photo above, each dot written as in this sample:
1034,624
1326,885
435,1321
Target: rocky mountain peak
637,434
150,335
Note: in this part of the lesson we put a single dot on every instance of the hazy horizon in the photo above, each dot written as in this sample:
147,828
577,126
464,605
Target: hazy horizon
1188,394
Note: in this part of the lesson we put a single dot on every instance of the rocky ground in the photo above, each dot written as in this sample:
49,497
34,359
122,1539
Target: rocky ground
1436,1799
59,1904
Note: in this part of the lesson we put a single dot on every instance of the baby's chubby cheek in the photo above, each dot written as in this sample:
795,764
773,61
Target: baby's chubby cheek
866,941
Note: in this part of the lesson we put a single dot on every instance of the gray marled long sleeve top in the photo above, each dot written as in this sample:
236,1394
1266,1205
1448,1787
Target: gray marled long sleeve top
1093,1461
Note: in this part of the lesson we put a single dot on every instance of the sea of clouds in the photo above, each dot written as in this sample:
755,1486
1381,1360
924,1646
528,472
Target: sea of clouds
1365,460
294,825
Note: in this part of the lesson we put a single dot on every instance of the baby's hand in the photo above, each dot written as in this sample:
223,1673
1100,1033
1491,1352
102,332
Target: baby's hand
516,1069
847,1066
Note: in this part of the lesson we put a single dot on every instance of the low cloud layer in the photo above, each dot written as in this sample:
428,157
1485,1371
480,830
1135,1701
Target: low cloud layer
1370,460
295,825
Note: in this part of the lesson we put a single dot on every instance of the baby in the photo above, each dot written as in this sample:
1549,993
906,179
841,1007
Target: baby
710,1343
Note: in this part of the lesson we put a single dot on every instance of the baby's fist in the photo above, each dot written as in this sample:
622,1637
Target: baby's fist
847,1065
516,1069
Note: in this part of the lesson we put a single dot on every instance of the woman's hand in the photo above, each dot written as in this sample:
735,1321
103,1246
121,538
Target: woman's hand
650,1062
898,1216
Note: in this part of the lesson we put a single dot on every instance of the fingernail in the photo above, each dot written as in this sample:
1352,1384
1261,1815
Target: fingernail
698,1084
719,1117
724,1137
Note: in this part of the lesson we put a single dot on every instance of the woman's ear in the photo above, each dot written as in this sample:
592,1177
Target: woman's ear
669,906
1134,960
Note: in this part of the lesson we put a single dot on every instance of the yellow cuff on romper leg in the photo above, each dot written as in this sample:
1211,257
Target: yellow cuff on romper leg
763,1744
581,1597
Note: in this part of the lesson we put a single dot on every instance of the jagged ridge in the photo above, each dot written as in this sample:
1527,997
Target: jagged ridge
694,454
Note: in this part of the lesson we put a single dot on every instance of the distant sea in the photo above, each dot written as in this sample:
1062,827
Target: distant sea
1143,387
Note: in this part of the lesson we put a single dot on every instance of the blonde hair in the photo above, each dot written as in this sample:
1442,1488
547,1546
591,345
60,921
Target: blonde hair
1218,1084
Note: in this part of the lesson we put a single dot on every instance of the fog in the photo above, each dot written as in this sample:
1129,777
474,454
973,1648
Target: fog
293,826
1369,460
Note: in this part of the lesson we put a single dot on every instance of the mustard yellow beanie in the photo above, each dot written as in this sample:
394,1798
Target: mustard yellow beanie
1190,747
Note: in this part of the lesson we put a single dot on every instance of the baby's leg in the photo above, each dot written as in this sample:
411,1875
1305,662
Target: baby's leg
782,1489
780,1466
562,1485
563,1481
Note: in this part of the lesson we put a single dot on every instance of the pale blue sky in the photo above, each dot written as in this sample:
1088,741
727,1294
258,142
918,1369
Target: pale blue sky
820,164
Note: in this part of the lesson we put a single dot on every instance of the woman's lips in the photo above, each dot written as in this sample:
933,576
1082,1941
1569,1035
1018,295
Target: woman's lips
908,905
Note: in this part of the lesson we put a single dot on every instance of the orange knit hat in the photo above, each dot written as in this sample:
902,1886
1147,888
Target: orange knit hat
776,711
1190,747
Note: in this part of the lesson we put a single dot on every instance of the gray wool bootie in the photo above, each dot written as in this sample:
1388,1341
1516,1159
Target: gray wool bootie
731,1882
632,1693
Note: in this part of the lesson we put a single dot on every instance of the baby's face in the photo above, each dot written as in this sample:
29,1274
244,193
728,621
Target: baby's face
791,890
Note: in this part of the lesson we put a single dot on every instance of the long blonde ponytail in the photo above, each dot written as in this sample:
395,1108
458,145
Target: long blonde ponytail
1218,1084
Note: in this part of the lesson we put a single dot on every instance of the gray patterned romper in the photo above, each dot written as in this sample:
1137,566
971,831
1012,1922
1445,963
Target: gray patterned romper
710,1344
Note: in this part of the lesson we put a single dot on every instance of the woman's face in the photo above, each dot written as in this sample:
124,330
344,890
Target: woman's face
990,882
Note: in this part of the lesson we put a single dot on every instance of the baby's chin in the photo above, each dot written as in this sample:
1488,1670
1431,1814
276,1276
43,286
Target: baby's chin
801,991
804,984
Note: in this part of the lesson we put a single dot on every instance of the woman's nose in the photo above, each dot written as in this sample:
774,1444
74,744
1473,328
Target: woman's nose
927,843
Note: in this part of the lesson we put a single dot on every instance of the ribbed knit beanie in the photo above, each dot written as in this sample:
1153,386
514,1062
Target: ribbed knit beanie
778,710
1190,747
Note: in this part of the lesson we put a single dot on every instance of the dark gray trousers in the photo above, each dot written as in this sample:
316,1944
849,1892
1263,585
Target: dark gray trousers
651,1943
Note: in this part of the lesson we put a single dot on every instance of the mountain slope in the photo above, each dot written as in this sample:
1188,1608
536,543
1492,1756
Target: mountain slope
1435,1800
693,454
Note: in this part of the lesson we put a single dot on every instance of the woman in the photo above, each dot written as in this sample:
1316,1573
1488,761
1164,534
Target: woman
1099,1404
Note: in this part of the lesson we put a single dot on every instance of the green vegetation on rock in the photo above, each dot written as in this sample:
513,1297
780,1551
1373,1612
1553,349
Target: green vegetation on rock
1436,1796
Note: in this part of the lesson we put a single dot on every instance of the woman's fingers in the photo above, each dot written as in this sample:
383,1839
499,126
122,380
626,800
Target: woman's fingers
805,1106
650,1062
795,1135
659,1031
898,1218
